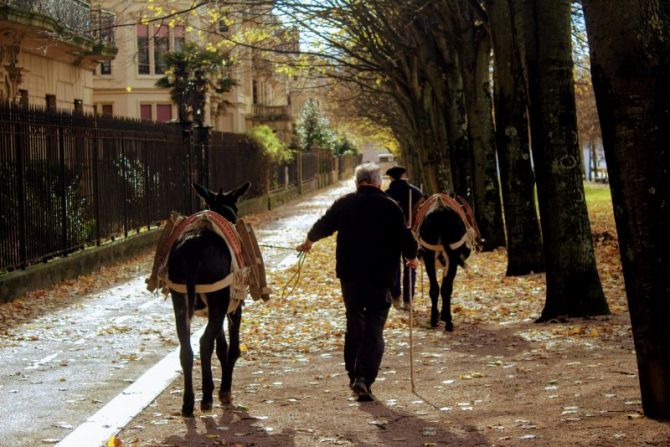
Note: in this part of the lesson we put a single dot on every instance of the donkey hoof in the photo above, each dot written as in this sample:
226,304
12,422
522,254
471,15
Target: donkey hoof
206,405
187,412
226,397
449,326
433,318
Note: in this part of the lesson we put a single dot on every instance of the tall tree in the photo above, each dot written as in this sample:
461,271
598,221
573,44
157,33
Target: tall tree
573,285
192,74
473,44
630,60
313,127
517,180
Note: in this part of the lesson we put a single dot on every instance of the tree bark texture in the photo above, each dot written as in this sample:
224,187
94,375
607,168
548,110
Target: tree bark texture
630,63
474,51
573,285
517,180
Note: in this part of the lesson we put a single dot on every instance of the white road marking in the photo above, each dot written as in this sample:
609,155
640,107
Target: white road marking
118,412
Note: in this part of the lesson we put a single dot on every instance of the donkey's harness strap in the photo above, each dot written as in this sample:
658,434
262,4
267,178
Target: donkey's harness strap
438,249
459,243
202,288
434,247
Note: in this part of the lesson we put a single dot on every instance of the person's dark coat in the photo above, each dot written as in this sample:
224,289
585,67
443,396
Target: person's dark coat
371,236
401,191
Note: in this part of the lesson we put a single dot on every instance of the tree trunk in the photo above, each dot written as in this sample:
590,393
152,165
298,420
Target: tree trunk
573,284
524,240
630,63
474,55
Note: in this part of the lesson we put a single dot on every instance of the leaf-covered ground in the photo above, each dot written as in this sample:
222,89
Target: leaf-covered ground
498,380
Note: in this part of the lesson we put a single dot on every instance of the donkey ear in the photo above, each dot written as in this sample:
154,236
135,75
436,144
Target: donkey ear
239,192
203,192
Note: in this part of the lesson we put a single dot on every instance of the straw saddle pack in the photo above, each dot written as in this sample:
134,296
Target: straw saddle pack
248,269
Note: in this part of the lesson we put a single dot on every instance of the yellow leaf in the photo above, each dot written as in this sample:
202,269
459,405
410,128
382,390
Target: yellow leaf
113,441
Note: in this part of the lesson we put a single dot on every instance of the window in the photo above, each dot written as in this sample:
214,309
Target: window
145,112
161,46
51,102
152,44
79,106
163,112
254,92
106,67
107,110
24,99
179,37
143,49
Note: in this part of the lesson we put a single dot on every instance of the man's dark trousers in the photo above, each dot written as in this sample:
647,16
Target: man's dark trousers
367,309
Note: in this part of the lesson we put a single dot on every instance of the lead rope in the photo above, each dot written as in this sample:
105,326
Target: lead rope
411,341
295,277
411,309
411,324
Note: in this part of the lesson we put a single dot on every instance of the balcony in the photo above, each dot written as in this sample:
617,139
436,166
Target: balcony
264,113
69,22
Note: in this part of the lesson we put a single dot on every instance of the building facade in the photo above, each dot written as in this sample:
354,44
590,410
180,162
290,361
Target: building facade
49,50
126,86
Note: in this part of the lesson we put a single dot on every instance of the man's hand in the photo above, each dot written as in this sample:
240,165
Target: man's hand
412,263
305,246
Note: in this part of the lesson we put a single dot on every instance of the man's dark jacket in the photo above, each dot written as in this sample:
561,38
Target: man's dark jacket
401,190
371,236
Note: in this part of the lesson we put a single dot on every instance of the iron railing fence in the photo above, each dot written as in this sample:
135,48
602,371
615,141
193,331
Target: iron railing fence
75,15
309,165
71,180
102,26
347,163
283,175
236,159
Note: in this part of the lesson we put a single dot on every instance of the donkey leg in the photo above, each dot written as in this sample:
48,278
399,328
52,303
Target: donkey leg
221,354
446,290
234,321
183,314
434,291
216,314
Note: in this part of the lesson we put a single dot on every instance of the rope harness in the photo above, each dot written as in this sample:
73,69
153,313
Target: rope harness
246,273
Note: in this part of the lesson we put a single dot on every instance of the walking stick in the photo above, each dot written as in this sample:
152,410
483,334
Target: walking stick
411,310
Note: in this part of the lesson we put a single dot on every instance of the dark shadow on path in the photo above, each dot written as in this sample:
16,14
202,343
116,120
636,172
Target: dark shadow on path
233,427
402,429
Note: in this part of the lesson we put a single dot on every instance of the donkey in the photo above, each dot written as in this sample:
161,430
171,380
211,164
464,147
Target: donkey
202,257
445,236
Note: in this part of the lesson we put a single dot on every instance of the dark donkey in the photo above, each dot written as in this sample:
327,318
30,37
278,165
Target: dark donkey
202,257
447,233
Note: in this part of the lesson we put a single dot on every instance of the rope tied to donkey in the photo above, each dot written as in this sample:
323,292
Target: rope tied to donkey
295,277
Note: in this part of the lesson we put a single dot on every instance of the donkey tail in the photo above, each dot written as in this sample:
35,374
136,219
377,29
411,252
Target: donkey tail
191,296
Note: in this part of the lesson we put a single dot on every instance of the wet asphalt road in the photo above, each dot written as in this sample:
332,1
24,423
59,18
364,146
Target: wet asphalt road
71,362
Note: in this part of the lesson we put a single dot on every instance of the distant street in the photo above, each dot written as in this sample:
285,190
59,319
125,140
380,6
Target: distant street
67,364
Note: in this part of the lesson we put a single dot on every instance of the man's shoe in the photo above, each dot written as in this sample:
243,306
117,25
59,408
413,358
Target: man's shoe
361,388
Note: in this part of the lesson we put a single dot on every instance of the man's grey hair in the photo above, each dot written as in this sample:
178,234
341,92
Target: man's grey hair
368,173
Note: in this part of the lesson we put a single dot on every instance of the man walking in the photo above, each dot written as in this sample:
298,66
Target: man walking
407,196
371,235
